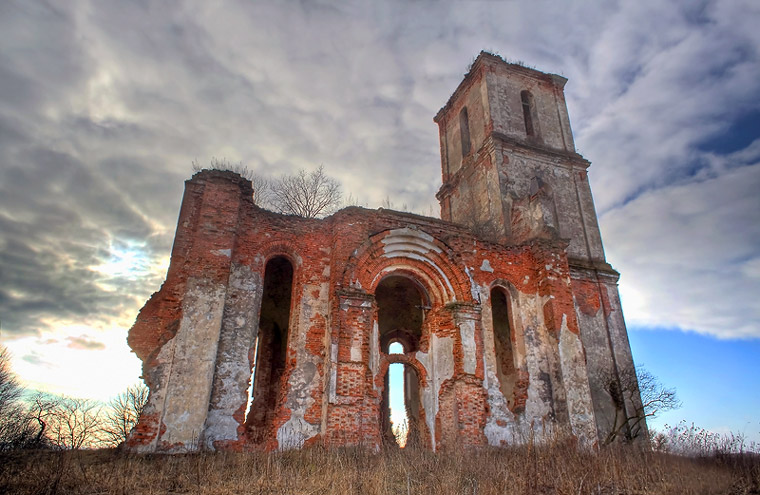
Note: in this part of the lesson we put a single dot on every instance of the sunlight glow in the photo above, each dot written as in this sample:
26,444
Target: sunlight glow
396,401
77,361
126,260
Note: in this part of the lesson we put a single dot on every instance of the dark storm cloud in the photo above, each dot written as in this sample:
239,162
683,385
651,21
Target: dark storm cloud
103,106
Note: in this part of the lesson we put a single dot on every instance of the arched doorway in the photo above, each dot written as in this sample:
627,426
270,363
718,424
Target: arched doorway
401,305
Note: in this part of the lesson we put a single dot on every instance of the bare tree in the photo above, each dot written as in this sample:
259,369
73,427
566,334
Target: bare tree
40,408
122,414
305,194
654,399
14,429
262,186
74,423
10,389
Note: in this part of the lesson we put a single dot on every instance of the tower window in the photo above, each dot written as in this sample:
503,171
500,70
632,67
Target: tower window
464,131
528,112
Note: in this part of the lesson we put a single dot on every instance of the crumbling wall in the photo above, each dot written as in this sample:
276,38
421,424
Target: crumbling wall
333,379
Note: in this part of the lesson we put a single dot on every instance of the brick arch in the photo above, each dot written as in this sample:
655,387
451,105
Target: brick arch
412,253
279,248
388,359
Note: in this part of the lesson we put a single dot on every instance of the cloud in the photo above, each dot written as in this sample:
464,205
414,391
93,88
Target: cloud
85,344
104,105
691,258
36,359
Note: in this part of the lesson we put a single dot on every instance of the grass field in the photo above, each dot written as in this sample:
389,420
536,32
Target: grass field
553,469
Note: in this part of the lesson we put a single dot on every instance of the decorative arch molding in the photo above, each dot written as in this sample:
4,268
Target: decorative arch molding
412,253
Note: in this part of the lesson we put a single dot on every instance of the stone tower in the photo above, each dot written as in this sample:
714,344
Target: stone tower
511,172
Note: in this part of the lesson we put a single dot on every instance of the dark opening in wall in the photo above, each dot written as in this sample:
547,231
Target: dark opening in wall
272,346
528,112
464,131
503,340
400,313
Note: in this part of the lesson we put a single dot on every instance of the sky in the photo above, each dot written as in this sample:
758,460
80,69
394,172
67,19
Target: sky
105,105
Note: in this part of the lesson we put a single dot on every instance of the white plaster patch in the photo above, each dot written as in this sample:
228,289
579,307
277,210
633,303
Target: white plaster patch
222,252
467,333
500,429
537,406
356,350
439,365
575,378
193,364
305,376
486,266
374,350
473,285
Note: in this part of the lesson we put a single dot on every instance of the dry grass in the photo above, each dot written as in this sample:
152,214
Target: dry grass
521,470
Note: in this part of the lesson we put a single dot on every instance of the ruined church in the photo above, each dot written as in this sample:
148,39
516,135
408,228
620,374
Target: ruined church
506,312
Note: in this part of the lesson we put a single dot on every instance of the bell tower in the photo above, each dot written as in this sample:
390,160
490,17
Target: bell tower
512,175
509,162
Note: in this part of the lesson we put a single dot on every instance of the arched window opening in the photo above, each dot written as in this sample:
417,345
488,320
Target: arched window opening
503,336
400,313
464,131
271,346
396,348
528,112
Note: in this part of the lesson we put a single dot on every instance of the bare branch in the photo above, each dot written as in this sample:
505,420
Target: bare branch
262,186
644,394
308,195
122,414
74,423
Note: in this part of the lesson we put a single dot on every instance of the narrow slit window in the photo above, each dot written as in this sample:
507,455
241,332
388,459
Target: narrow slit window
464,131
528,110
502,339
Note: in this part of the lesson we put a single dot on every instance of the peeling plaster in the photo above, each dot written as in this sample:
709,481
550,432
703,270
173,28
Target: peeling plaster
486,266
233,368
473,286
439,365
304,378
374,350
193,365
467,334
574,377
